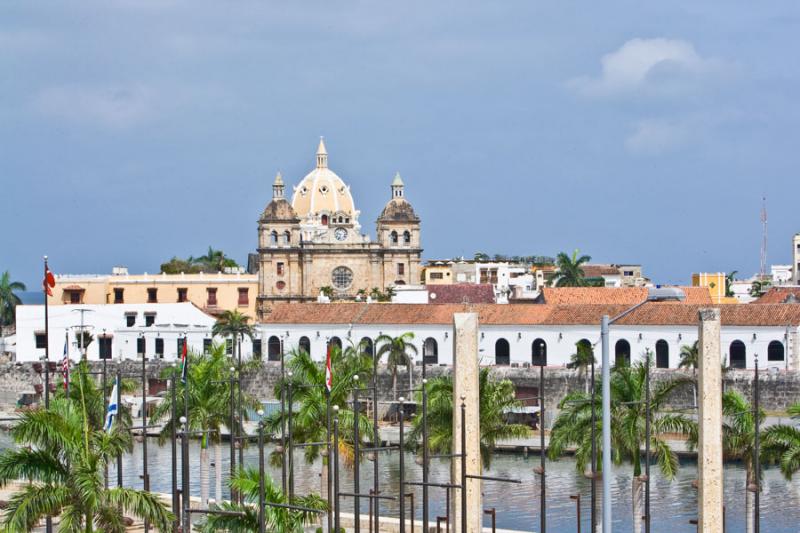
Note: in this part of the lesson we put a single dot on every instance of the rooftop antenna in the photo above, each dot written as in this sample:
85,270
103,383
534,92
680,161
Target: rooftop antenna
763,271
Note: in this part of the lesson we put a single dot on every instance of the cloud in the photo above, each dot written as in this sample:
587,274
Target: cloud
114,106
658,136
661,66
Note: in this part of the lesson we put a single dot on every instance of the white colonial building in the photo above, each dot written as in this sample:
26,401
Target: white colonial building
119,331
516,334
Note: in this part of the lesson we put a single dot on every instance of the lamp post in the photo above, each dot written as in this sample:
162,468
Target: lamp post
261,517
756,453
402,468
647,444
356,461
173,435
542,488
593,519
653,294
376,437
336,468
232,429
145,475
185,496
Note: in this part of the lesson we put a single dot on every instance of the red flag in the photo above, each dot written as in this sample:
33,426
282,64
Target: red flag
183,361
49,281
328,373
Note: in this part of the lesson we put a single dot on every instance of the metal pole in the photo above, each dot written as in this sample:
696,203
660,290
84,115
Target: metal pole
185,496
376,438
493,513
647,446
145,476
402,468
119,408
336,468
289,448
105,410
174,444
283,422
542,488
45,288
606,392
463,466
330,457
593,520
232,431
425,451
757,454
261,517
577,498
240,417
356,459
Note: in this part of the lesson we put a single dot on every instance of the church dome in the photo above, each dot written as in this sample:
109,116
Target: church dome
322,190
398,210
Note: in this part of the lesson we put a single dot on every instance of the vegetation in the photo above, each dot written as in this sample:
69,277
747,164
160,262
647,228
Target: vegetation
759,287
209,408
309,416
277,520
572,426
582,360
782,444
729,279
398,351
8,299
496,398
380,296
212,262
570,270
63,453
234,325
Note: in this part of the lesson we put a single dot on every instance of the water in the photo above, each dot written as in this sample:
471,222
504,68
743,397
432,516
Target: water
673,503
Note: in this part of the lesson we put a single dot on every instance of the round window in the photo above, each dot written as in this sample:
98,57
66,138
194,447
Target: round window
342,277
324,189
280,285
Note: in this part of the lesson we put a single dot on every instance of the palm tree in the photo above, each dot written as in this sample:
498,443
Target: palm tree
570,270
495,399
398,351
63,459
213,261
209,409
309,411
689,359
582,359
782,444
235,325
572,426
738,442
277,519
729,283
8,300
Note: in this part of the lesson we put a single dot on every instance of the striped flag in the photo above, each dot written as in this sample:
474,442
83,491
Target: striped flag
184,361
328,372
113,408
65,362
49,281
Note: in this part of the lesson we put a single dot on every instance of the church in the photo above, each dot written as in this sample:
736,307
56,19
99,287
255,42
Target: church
315,242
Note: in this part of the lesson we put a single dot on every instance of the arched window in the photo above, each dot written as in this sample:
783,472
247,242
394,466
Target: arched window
273,237
406,237
287,237
775,351
430,352
393,237
737,355
305,344
324,220
502,352
622,353
368,346
335,341
274,349
539,353
662,354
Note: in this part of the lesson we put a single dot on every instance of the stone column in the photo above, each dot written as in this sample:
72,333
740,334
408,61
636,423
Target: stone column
465,385
793,348
709,449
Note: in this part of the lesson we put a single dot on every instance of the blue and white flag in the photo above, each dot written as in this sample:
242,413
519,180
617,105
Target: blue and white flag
113,408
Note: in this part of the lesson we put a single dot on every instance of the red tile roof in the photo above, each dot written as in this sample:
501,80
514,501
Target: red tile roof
615,295
649,314
459,293
778,295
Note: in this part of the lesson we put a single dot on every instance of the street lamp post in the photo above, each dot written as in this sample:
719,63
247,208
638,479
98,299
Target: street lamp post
232,429
653,294
261,517
647,445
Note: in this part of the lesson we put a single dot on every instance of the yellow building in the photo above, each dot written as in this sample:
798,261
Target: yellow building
715,282
438,273
213,293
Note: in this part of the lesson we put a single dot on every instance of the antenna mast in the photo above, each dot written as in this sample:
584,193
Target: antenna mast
763,272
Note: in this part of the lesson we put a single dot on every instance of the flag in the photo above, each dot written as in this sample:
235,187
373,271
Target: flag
183,361
113,408
49,281
65,362
328,372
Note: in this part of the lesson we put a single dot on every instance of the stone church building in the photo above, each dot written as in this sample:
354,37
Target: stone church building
315,241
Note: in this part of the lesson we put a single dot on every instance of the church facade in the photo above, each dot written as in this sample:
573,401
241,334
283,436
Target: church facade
314,243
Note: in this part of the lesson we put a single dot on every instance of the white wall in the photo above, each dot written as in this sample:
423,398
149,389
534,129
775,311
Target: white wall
560,340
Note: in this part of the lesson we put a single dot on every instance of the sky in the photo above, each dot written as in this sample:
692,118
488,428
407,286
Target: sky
133,131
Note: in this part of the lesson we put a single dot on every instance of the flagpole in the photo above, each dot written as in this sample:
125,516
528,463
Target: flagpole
187,498
49,520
